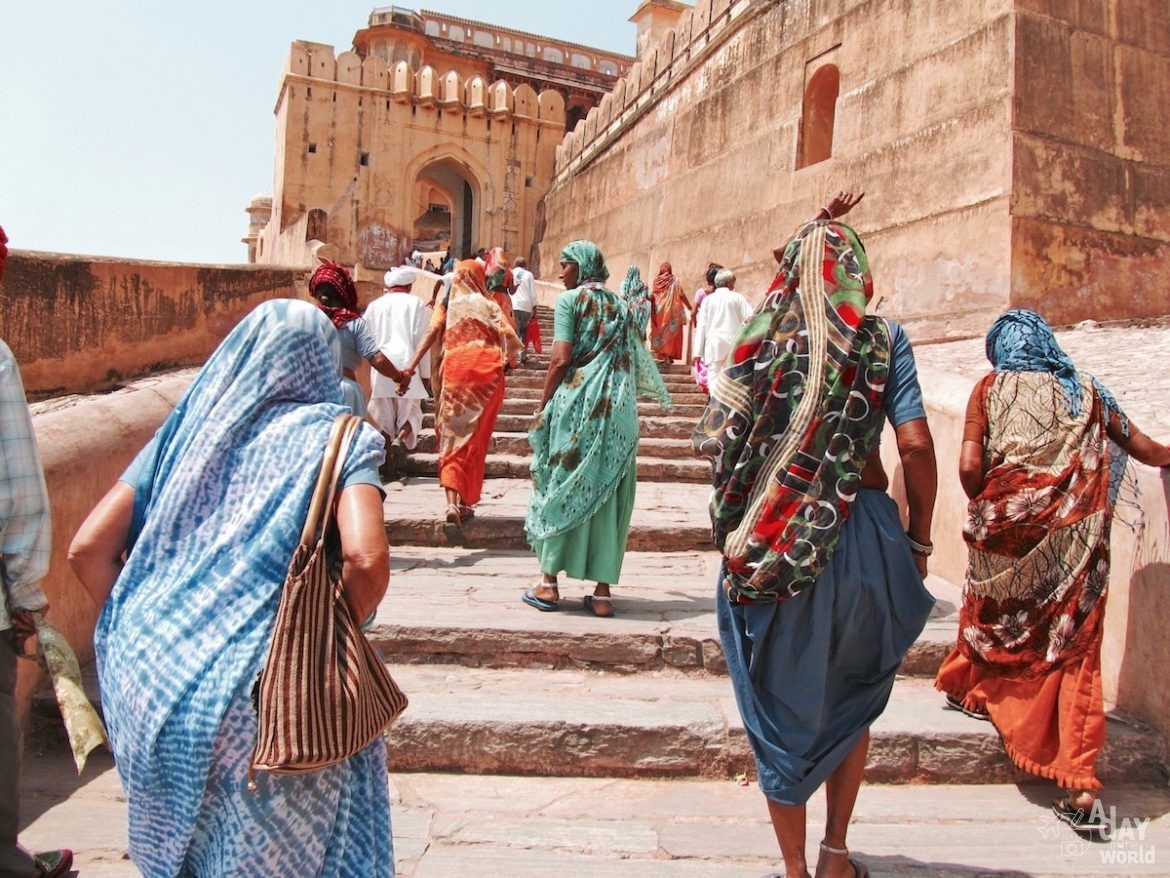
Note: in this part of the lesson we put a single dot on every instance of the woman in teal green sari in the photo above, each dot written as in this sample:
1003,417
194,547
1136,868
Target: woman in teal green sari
585,438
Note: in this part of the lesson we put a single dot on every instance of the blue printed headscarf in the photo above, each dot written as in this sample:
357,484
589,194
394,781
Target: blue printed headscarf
1022,341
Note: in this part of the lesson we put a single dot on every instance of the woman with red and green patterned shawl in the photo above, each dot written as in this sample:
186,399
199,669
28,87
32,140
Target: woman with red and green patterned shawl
585,441
1036,464
820,593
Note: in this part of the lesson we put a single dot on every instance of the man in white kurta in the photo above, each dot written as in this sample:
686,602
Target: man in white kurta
398,320
723,313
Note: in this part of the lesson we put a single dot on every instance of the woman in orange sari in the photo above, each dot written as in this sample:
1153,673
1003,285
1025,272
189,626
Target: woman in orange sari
668,318
477,341
1037,464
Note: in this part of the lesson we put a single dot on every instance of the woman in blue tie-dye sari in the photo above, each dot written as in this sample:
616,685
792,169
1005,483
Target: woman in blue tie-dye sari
209,514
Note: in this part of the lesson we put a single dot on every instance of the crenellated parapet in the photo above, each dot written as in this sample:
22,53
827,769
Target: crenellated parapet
425,87
672,57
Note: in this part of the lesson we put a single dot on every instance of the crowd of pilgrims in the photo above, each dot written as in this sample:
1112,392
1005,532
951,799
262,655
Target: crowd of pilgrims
820,590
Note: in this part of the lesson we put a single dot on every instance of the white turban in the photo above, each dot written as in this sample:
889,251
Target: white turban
402,276
723,277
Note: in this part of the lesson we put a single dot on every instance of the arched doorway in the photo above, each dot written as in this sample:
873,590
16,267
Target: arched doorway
448,183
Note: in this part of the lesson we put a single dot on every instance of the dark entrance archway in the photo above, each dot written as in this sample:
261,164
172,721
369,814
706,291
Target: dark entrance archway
462,193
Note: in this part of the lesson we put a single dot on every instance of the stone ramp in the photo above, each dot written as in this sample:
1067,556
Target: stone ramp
449,826
461,606
661,724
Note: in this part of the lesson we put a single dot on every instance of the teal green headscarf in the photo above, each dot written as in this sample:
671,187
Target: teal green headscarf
587,257
638,299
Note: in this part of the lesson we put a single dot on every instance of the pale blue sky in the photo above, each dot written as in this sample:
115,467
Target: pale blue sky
142,130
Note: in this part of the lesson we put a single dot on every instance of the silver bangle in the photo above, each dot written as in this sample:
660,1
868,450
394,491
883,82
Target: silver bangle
923,549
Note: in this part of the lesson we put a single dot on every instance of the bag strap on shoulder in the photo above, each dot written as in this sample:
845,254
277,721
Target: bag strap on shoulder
336,449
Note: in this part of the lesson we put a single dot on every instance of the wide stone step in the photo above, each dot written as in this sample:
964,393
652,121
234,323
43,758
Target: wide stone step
686,410
661,724
651,427
667,517
533,380
539,363
516,443
515,466
679,397
664,610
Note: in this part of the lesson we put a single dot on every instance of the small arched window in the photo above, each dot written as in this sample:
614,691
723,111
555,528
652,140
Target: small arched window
556,56
818,115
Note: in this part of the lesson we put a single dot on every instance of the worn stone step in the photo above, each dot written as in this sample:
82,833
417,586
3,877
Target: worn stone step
539,362
513,466
667,516
686,410
693,396
526,405
516,443
664,610
532,379
663,724
651,427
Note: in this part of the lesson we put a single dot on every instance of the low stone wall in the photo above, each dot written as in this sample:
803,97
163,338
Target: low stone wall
78,324
85,444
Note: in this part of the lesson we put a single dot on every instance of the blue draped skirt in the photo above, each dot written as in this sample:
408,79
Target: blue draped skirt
813,672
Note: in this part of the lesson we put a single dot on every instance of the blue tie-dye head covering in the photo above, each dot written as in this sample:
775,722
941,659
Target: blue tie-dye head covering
1022,341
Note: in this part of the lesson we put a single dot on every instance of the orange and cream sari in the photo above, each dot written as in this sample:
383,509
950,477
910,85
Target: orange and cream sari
477,342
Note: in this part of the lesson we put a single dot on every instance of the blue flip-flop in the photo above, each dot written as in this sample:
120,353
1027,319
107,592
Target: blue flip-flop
529,597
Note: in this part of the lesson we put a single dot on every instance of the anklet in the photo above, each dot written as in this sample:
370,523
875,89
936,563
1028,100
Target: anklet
831,850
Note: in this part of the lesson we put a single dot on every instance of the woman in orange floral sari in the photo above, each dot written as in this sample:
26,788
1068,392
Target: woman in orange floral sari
478,341
668,320
1036,465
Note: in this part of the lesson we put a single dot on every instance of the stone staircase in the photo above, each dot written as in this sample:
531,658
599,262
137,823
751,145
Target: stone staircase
499,688
664,454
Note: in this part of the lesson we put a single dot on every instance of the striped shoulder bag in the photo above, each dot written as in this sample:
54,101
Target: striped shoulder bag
324,693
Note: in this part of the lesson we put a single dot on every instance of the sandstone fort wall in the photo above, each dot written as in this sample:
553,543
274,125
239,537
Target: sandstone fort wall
1091,159
698,154
990,180
78,324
